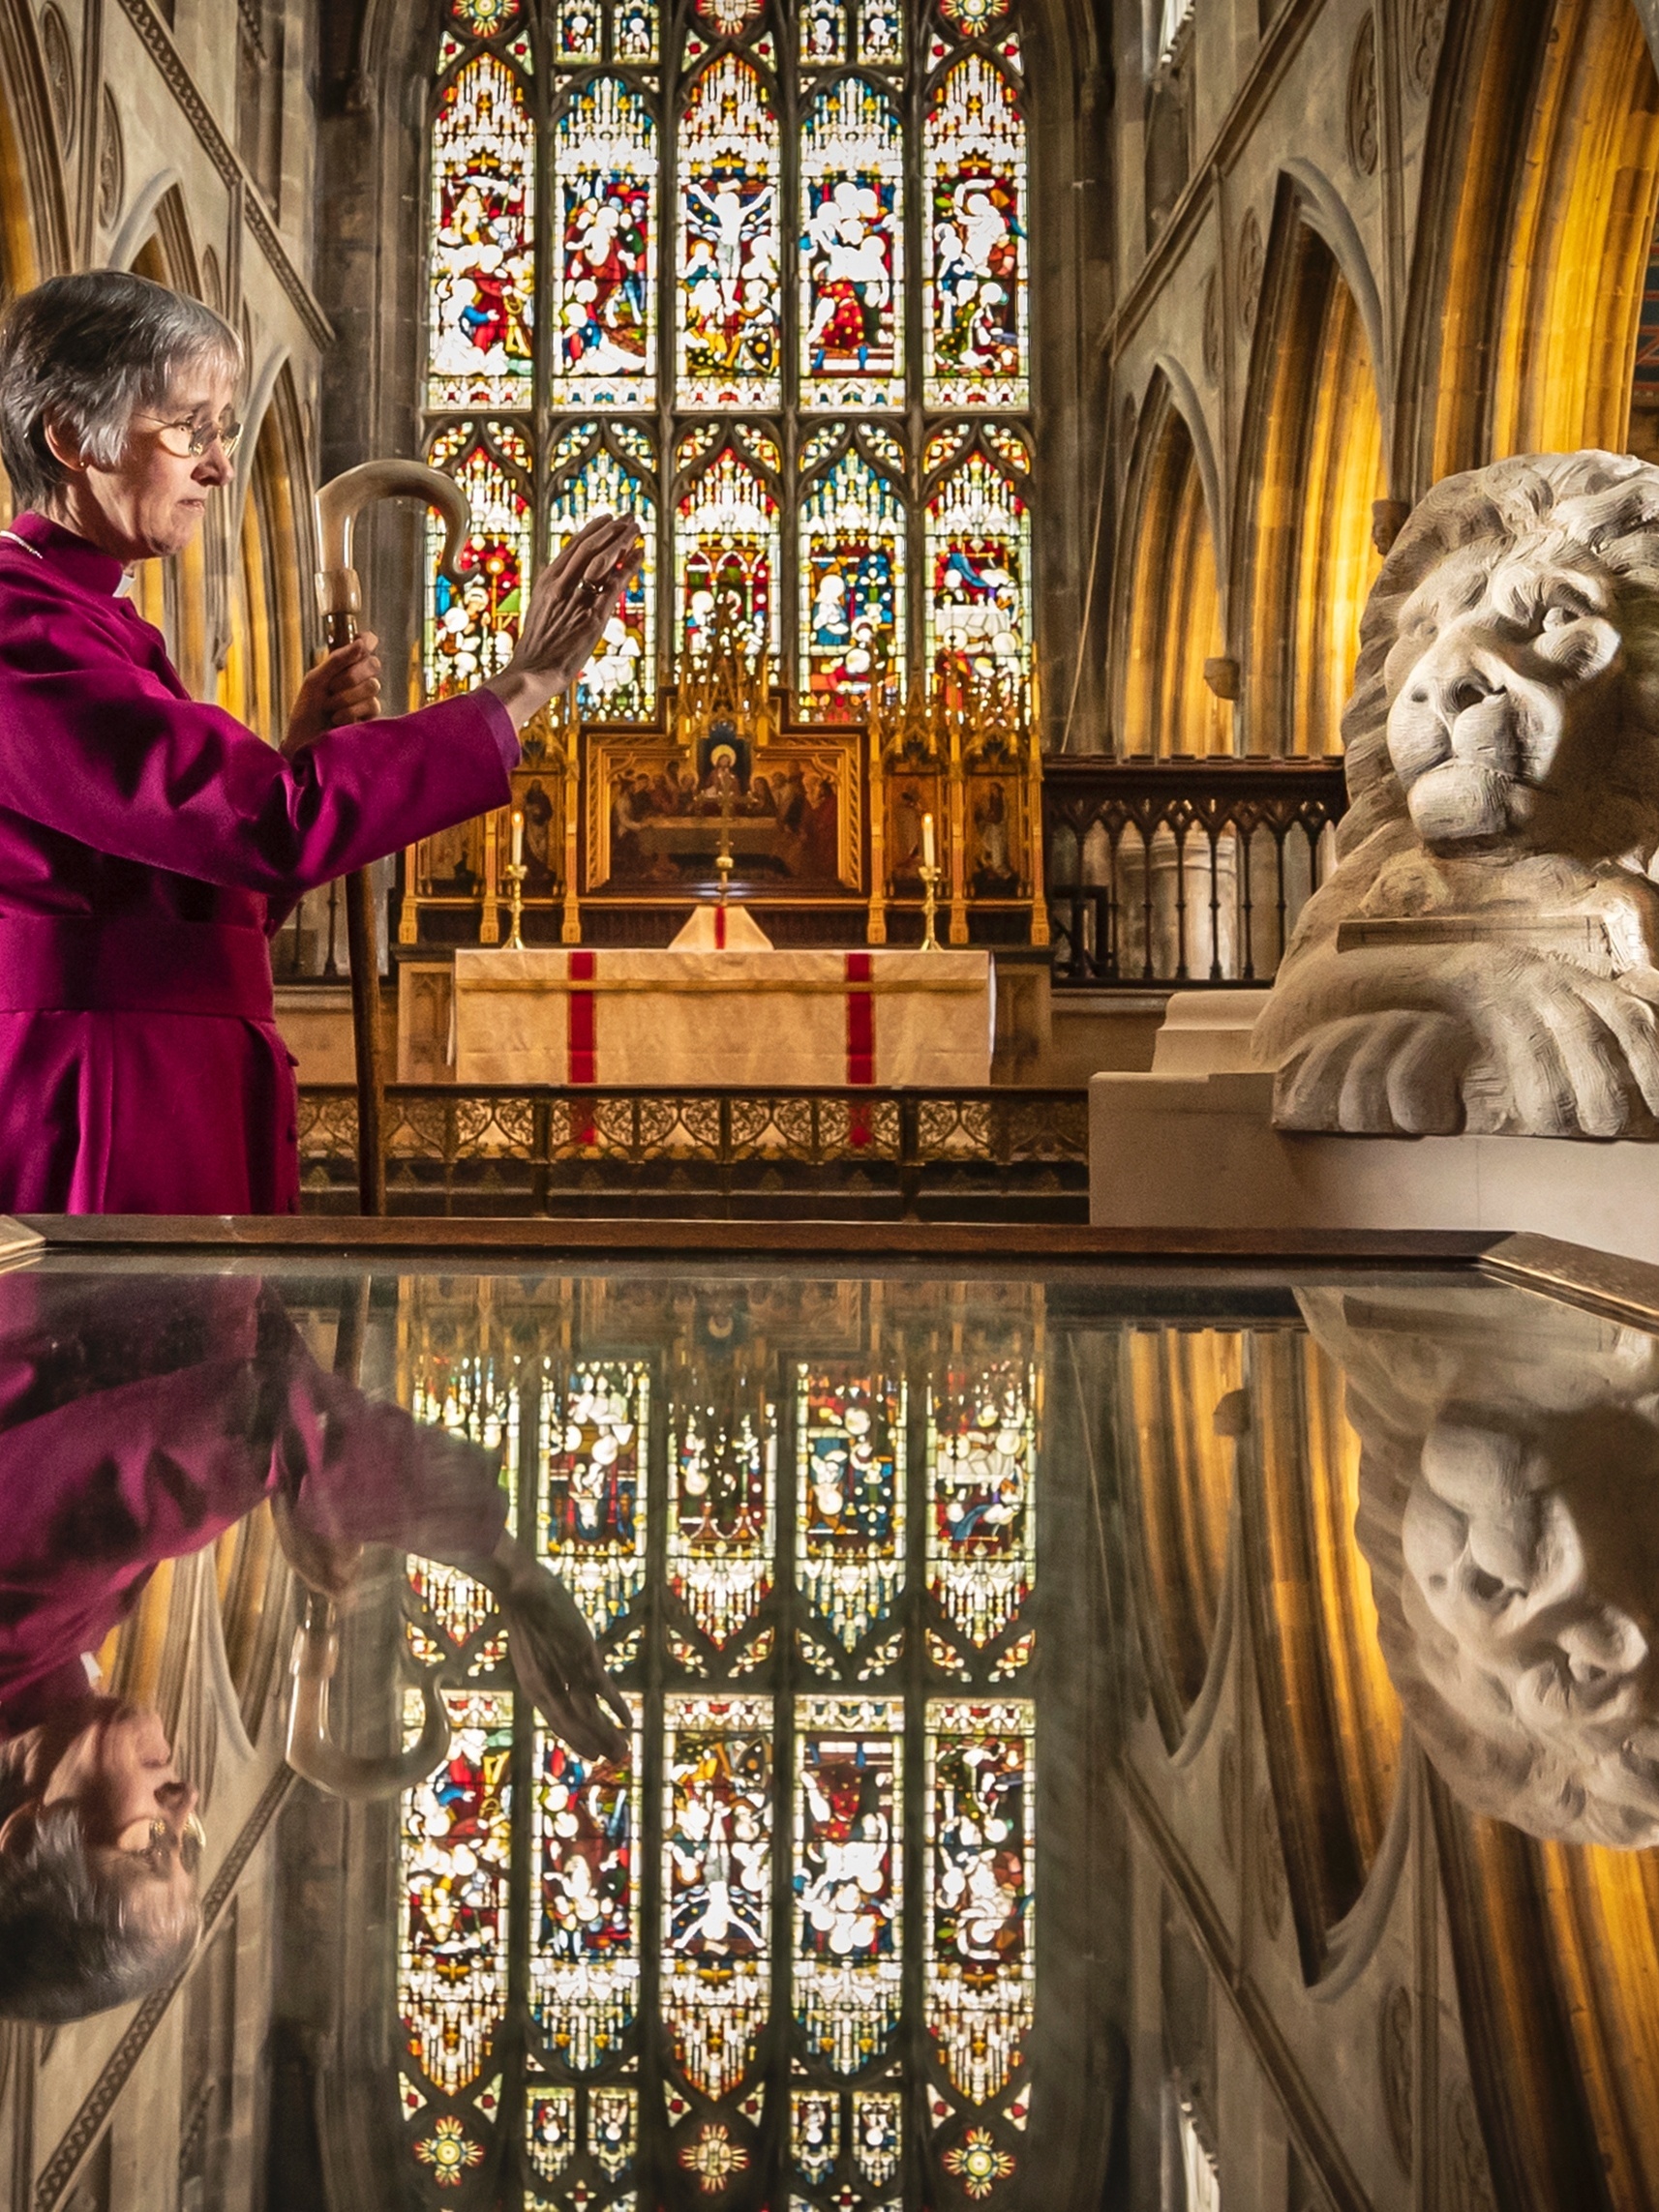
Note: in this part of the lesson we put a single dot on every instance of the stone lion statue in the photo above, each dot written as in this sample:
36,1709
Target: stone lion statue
1484,956
1509,1511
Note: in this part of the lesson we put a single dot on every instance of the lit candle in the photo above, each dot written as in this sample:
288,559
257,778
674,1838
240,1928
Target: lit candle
927,840
518,838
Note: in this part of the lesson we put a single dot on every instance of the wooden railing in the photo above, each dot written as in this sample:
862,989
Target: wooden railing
1169,873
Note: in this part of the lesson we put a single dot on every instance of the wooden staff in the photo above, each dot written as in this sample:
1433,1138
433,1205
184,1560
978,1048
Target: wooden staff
337,506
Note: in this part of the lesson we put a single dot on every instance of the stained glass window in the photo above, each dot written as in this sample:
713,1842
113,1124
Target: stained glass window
727,555
979,567
973,175
789,132
731,245
472,624
483,253
852,253
607,1979
598,471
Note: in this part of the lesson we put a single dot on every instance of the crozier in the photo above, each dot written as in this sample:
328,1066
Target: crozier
1484,956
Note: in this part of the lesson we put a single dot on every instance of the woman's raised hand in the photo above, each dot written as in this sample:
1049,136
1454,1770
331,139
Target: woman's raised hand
345,686
574,597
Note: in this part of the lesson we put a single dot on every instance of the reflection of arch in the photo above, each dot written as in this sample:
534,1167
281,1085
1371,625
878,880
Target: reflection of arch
1543,153
1169,618
1332,1718
1313,466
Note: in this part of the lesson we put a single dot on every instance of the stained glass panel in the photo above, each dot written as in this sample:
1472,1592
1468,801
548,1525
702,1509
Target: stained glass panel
604,275
716,1884
485,18
620,683
851,586
472,627
635,30
978,566
974,320
850,1433
726,554
730,241
981,1973
973,18
483,255
478,1398
595,1450
456,1858
729,18
851,254
724,1467
980,1446
578,29
585,1943
824,31
881,31
847,1878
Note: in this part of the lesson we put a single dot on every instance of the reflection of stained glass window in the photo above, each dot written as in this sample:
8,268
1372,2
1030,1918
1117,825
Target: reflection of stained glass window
595,1437
981,1959
850,1436
851,586
974,320
980,1434
979,567
851,254
881,31
604,279
483,209
726,553
471,626
720,1535
730,242
530,1993
716,1879
457,1855
620,683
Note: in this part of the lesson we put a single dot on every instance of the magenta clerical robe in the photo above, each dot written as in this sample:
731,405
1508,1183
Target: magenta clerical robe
148,846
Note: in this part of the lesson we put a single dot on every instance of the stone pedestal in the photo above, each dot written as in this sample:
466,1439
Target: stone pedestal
1184,1147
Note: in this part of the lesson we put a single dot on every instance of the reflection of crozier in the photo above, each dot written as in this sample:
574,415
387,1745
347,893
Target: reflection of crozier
1486,954
1509,1509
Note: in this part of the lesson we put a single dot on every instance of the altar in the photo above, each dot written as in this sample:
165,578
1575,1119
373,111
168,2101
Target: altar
745,1017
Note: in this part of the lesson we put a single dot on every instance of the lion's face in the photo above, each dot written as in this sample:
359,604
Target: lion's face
1505,685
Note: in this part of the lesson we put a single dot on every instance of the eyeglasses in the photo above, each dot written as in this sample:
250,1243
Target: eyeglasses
189,441
164,1843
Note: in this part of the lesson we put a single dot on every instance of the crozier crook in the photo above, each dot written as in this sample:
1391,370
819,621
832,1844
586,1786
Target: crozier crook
311,1751
341,594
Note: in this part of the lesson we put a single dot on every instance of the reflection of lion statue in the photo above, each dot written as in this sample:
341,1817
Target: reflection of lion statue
1486,954
1509,1508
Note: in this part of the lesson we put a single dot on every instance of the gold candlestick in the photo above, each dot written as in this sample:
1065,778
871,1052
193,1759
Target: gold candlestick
929,905
515,872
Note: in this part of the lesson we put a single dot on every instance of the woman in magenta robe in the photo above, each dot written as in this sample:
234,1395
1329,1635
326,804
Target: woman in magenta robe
149,843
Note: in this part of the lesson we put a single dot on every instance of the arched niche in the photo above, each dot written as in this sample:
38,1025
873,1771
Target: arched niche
1169,619
1313,469
1526,292
265,663
34,218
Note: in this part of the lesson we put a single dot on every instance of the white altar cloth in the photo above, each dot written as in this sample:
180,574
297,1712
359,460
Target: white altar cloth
743,1018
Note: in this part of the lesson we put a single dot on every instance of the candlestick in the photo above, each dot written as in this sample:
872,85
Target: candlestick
929,856
929,905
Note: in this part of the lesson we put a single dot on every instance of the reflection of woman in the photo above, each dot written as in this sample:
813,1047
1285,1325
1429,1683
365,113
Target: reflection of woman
166,1410
148,842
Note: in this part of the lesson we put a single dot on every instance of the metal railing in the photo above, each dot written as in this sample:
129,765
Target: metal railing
1005,1153
1182,871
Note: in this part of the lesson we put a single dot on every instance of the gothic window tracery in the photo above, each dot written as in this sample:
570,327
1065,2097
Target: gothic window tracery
786,1956
756,223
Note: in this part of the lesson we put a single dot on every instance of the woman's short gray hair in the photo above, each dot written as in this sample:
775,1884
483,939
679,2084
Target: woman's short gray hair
91,351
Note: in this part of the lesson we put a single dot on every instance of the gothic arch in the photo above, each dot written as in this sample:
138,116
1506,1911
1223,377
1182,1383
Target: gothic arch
1313,466
1527,286
34,208
275,553
1167,615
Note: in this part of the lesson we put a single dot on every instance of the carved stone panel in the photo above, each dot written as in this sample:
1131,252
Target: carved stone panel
111,164
1271,1882
1213,325
1425,27
58,58
1250,262
1361,99
1394,2055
